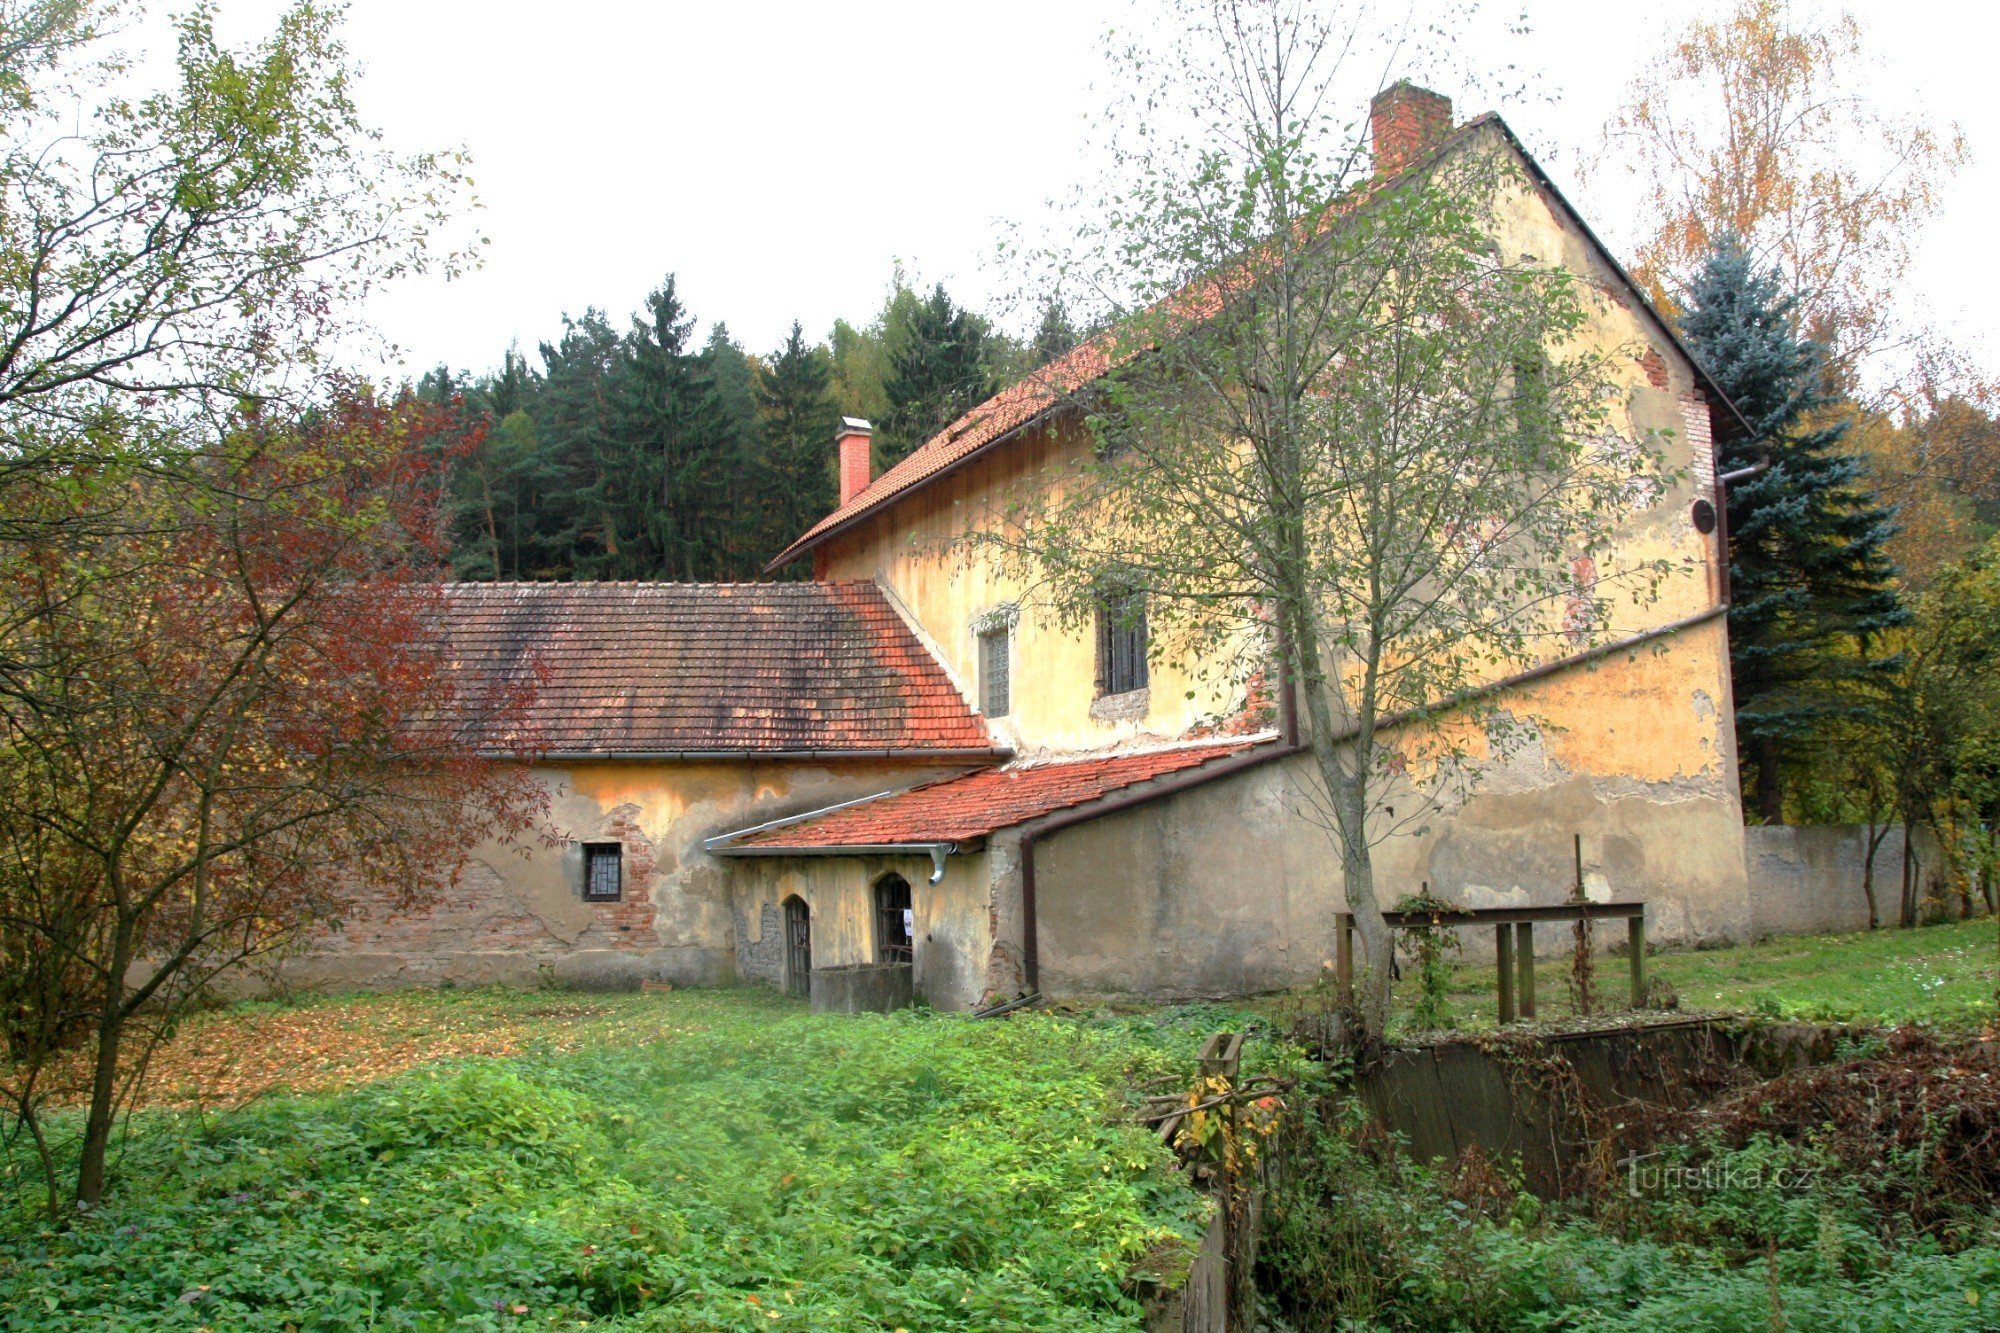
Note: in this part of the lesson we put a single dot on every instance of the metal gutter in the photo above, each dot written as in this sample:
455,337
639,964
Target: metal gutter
991,754
937,851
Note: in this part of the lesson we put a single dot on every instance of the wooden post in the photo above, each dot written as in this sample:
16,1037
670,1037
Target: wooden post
1343,956
1524,957
1636,934
1503,937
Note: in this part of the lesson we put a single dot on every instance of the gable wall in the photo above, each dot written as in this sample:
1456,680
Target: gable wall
912,549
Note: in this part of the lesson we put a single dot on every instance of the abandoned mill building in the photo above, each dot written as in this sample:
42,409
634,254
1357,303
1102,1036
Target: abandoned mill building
899,761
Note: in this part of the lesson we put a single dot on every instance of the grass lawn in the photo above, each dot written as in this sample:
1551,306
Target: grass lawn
721,1159
689,1160
1945,975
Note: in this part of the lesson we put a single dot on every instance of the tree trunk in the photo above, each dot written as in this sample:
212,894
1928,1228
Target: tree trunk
1875,832
1909,903
103,1095
1770,780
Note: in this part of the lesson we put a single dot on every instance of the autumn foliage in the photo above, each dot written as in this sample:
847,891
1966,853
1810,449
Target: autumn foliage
228,713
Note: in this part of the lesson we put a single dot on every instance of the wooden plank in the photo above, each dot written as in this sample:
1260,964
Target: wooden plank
1524,958
1492,916
1636,937
1343,956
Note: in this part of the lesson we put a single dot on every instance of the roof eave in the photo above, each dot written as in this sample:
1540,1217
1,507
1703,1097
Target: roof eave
815,539
991,754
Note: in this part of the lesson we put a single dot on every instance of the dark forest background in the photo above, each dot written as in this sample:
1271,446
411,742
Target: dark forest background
651,452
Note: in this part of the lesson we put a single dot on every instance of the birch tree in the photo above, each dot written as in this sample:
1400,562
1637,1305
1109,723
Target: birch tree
1335,423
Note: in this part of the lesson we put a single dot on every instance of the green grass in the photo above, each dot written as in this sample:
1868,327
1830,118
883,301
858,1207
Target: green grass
1943,975
687,1161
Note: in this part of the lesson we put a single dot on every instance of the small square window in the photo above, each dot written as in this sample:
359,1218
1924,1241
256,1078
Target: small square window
603,872
996,684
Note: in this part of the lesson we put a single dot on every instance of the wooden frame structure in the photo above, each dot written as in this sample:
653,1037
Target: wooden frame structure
1514,941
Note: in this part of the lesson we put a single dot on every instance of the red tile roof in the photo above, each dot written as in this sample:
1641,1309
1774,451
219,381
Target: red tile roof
679,668
1021,403
973,805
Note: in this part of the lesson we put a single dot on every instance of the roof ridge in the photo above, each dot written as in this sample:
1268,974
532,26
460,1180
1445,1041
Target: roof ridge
939,455
457,584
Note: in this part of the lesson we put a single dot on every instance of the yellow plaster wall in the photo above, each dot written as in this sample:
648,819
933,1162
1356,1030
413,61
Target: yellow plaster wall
911,548
913,551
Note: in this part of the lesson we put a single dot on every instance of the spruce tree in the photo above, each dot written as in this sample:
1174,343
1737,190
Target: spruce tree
798,414
940,366
1055,336
1811,583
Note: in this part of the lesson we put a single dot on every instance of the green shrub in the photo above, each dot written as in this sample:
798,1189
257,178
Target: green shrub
754,1167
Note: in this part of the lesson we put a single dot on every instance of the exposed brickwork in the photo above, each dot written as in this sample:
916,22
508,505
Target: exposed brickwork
1701,440
627,923
1580,613
1655,367
476,913
857,468
1406,122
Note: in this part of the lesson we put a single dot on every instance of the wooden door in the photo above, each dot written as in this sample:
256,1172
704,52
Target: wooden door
798,947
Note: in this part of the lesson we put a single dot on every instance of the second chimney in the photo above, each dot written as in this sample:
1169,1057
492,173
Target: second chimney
855,439
1406,122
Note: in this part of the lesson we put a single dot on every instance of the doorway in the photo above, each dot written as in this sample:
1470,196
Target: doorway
798,947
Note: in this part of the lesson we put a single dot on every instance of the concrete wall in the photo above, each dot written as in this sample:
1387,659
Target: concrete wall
518,914
1808,880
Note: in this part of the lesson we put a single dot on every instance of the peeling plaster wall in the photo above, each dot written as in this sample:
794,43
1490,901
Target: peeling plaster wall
952,931
1231,888
912,549
518,915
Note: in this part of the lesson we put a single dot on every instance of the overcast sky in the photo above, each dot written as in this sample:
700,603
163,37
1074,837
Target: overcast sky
780,156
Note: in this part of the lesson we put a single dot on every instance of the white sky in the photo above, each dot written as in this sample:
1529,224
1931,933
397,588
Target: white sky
779,156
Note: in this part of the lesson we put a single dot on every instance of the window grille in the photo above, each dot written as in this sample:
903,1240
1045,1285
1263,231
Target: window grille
995,672
603,872
894,923
1121,644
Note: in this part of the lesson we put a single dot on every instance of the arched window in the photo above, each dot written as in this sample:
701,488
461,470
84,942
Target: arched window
894,921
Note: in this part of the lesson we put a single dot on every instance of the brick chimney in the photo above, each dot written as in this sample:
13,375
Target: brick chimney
1406,122
857,466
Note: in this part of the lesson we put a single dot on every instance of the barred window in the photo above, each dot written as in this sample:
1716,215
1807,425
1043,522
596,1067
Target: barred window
995,671
1121,644
603,872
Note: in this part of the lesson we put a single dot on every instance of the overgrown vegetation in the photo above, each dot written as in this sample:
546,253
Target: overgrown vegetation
1771,1218
729,1162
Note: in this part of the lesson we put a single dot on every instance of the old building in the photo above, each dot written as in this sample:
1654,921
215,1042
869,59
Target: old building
900,761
